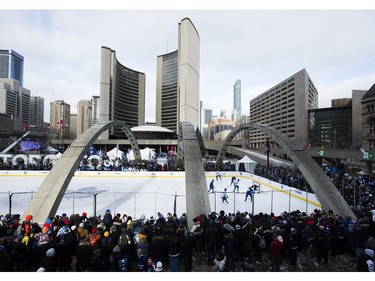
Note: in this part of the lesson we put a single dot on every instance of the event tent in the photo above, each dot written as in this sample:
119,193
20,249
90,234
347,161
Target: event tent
246,164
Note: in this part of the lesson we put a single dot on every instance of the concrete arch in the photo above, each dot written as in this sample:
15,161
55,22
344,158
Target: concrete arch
327,193
49,195
197,201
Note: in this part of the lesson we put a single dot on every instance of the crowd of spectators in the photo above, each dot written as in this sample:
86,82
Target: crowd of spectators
222,241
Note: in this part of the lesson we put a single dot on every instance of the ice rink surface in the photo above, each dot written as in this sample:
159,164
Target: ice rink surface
137,193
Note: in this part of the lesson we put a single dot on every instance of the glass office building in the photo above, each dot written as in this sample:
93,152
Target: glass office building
330,128
11,65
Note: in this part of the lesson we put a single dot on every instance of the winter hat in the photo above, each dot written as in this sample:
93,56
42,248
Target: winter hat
228,227
28,217
159,266
41,269
73,227
106,234
84,214
143,217
107,211
321,227
45,229
101,227
238,227
369,252
81,225
50,252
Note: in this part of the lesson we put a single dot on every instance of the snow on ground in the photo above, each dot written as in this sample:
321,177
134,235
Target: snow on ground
136,193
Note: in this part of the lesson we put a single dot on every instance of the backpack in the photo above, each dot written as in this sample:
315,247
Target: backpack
262,242
43,240
123,264
124,239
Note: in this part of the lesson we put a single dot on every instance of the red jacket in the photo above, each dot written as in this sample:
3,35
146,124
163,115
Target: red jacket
276,249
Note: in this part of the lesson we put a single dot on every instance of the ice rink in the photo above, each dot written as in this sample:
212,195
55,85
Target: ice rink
136,193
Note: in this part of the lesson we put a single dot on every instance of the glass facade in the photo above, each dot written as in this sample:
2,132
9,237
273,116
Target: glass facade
11,65
169,102
330,128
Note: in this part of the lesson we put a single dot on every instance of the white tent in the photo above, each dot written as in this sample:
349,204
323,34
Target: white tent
115,153
50,150
246,164
146,154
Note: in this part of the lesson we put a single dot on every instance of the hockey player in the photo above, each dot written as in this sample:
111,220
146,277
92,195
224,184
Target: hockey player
256,187
236,185
218,175
249,192
212,187
232,180
224,197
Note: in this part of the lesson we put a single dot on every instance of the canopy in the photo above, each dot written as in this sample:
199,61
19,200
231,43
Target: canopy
50,150
146,154
115,153
246,164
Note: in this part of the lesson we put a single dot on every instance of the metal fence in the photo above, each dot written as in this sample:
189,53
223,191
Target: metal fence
150,203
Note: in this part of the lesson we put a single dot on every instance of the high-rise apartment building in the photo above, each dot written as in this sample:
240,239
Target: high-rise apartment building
122,94
15,102
95,102
237,100
84,116
284,107
60,118
36,112
11,65
177,81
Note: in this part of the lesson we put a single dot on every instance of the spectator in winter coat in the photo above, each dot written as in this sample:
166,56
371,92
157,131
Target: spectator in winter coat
276,252
292,246
97,263
83,254
173,250
107,219
219,263
197,232
359,239
211,237
187,251
158,246
322,243
19,254
230,245
365,261
6,261
49,261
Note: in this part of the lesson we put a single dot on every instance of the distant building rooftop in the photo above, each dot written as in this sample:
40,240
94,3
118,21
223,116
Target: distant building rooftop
153,132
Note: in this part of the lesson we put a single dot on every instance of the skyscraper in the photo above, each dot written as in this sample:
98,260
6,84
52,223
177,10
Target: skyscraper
15,101
11,65
84,116
37,111
177,81
122,94
284,107
60,118
95,102
237,100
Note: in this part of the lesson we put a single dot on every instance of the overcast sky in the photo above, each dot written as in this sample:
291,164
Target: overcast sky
61,49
